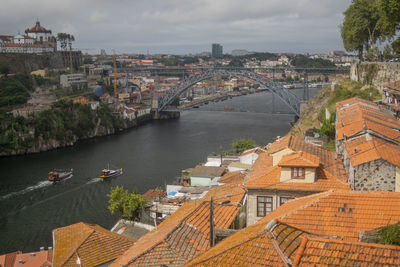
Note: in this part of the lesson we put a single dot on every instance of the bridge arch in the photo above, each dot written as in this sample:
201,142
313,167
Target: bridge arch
290,99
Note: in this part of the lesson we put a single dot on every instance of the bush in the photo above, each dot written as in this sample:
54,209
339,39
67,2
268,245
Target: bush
390,235
128,204
240,145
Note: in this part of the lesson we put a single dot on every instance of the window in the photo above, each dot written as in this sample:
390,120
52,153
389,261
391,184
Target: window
264,206
284,199
298,172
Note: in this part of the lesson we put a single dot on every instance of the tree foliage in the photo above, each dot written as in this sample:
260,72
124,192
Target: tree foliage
4,68
367,21
302,61
65,40
239,145
128,204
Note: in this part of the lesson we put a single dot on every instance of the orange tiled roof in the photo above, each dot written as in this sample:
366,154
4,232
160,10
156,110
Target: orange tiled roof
364,115
271,180
353,100
334,252
93,245
299,159
361,150
185,234
334,213
33,259
263,163
328,159
256,150
236,177
279,144
153,194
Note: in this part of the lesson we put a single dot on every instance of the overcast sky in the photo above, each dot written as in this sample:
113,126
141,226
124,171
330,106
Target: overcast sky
184,26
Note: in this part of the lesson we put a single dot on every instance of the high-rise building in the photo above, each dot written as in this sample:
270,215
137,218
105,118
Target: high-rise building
216,51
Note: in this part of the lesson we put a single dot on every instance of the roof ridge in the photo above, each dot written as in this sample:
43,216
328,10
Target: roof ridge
166,236
239,244
76,250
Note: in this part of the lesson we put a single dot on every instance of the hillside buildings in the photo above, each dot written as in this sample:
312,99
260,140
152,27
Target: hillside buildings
367,138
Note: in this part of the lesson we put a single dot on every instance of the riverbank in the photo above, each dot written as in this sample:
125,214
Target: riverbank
64,125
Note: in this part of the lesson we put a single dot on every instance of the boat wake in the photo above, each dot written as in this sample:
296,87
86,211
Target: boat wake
94,180
39,185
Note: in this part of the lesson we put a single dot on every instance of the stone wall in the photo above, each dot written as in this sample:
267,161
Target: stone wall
31,62
377,175
376,73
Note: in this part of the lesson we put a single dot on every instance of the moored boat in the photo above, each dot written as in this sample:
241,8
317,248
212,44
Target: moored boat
107,172
59,175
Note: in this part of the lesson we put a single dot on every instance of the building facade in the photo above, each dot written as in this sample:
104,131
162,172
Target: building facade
216,51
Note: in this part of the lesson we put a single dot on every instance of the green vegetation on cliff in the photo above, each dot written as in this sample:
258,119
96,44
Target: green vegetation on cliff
314,118
15,90
63,124
240,145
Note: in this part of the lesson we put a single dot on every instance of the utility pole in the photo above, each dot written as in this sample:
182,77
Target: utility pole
212,237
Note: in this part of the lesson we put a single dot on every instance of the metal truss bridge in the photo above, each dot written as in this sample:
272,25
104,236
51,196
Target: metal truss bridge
276,88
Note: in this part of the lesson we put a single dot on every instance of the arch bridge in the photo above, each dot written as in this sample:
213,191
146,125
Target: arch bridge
276,88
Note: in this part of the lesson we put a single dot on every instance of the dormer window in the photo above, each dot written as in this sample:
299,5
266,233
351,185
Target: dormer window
298,173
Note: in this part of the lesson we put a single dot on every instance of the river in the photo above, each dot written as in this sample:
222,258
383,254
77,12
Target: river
151,155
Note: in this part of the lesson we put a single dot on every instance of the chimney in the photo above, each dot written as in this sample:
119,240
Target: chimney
41,248
32,254
50,248
20,261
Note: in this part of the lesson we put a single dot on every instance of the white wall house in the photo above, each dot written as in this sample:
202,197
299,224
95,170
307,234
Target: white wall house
205,175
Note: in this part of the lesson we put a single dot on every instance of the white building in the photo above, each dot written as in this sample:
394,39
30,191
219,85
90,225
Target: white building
40,34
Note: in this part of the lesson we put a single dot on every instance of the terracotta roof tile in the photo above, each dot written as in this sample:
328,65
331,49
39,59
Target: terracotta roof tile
329,161
365,115
185,234
256,150
334,213
362,150
342,253
207,171
279,144
93,244
299,159
236,177
271,180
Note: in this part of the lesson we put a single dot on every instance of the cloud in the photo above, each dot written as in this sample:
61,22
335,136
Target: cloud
182,26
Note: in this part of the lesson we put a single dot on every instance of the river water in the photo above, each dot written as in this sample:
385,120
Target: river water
151,155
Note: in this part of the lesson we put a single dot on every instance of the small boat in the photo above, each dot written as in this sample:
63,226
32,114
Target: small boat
229,109
59,175
106,173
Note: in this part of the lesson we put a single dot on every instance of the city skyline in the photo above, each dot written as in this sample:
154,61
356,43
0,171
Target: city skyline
180,27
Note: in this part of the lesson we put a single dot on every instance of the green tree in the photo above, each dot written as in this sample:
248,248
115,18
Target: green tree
367,21
242,144
235,63
65,40
359,29
128,204
387,52
4,68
